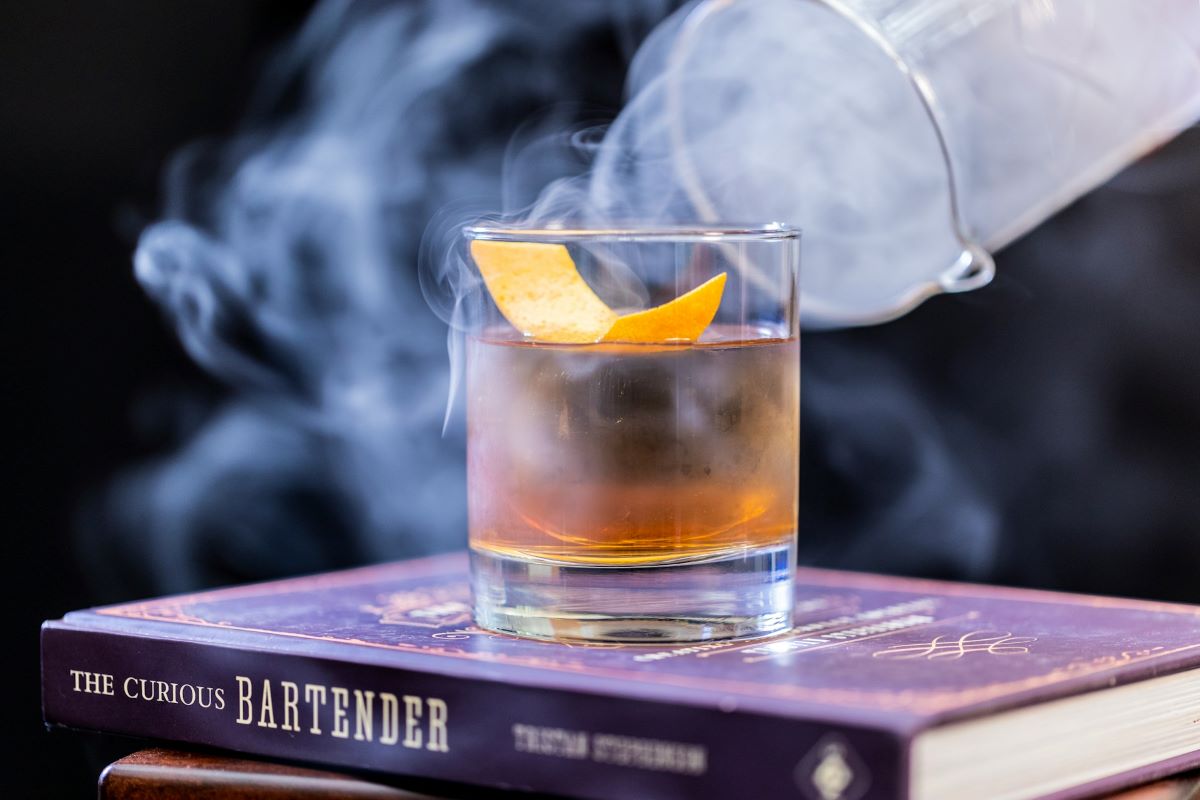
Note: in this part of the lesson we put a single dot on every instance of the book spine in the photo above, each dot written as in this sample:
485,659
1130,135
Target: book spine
409,722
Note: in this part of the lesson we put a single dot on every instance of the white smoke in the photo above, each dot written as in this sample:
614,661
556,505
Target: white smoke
286,262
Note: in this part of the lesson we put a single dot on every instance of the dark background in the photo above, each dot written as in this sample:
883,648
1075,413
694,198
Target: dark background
1043,431
94,96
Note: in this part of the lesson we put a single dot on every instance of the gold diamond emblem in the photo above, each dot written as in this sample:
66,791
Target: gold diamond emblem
832,775
832,771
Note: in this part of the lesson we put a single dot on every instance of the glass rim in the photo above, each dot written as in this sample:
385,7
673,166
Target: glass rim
688,234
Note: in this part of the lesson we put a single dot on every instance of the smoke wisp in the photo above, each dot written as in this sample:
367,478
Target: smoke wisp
286,263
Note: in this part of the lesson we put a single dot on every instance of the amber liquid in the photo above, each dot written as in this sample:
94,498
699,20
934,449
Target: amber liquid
632,454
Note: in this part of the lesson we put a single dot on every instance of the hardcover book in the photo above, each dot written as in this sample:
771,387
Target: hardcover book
885,688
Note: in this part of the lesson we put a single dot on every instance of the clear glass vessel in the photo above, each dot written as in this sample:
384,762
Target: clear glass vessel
910,138
633,491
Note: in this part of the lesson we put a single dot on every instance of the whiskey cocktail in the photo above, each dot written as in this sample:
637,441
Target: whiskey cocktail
632,474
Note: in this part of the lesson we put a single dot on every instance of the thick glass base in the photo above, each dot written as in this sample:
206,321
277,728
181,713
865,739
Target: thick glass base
741,594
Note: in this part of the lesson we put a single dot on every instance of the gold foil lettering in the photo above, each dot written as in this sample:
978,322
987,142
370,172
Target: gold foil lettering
291,706
364,710
412,721
266,716
341,699
245,707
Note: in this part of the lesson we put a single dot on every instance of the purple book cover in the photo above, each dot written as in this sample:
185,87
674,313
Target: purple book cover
380,668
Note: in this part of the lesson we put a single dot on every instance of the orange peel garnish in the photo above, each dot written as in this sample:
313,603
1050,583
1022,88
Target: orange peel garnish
540,292
538,289
682,319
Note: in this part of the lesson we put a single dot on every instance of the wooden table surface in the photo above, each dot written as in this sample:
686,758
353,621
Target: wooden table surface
166,774
160,774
